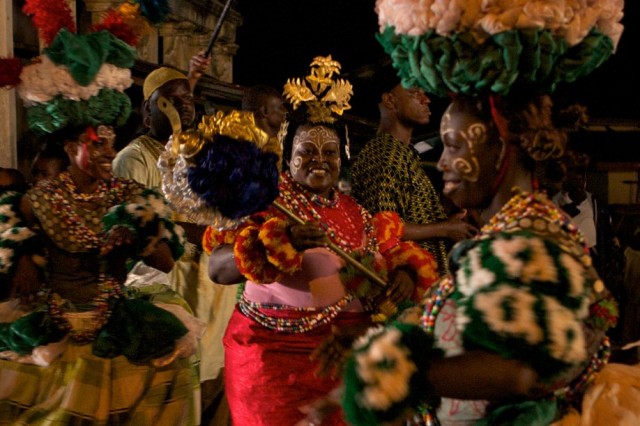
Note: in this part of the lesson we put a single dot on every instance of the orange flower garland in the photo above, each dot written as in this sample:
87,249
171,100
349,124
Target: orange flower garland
279,250
263,251
390,228
213,237
410,254
251,259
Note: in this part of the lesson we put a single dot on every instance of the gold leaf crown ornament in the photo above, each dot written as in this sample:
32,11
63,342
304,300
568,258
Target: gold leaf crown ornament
321,94
239,125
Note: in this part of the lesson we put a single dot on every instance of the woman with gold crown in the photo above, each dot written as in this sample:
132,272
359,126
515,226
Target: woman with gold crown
516,334
75,345
297,288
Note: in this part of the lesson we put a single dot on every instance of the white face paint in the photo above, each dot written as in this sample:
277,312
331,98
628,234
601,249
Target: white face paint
474,135
315,158
469,155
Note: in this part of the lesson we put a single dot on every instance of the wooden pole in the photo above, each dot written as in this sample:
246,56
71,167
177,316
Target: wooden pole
335,248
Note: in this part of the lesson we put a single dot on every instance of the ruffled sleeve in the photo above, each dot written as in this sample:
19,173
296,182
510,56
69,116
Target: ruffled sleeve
16,239
525,297
148,216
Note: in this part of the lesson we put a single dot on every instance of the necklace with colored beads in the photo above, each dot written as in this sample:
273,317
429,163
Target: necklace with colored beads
525,205
434,304
62,198
107,288
70,186
331,215
315,319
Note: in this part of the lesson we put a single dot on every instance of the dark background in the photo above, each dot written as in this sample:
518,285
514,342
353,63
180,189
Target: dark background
279,38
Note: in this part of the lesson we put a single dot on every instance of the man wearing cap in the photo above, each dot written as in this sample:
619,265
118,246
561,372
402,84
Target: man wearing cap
138,160
210,302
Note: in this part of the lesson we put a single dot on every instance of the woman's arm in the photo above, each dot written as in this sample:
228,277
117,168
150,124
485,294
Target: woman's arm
160,258
456,228
222,266
480,375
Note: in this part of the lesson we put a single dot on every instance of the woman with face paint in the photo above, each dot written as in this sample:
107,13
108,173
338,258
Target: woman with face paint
516,333
518,328
297,289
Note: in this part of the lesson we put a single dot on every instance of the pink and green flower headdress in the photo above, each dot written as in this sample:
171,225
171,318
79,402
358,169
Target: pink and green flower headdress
473,47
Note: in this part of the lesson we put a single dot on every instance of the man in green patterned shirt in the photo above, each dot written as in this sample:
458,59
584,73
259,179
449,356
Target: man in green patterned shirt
387,175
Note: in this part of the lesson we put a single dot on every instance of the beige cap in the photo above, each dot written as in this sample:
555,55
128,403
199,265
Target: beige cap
159,77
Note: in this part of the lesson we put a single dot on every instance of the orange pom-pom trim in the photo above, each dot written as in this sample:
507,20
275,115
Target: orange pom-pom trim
251,258
213,237
408,253
280,252
389,229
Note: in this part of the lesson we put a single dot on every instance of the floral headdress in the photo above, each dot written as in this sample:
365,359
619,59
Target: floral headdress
473,47
80,79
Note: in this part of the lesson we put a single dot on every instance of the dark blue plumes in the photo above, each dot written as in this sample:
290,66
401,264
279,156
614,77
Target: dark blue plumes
235,177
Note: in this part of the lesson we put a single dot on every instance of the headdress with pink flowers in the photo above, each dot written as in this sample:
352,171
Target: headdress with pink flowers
497,46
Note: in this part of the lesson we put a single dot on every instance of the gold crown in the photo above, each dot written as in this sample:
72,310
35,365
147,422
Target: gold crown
238,125
320,92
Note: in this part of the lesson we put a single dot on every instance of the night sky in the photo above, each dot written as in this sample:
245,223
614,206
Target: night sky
279,38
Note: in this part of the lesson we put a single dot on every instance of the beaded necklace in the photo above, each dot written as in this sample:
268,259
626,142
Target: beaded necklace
315,319
517,212
96,196
330,214
524,205
107,288
83,229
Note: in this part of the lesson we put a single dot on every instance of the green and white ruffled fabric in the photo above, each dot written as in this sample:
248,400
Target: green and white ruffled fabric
15,238
478,46
523,289
79,81
385,377
148,216
521,296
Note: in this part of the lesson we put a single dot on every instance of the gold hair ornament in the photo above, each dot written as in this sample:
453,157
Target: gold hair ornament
238,125
322,94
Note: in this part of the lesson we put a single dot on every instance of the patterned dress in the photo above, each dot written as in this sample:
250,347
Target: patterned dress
525,289
387,176
90,352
